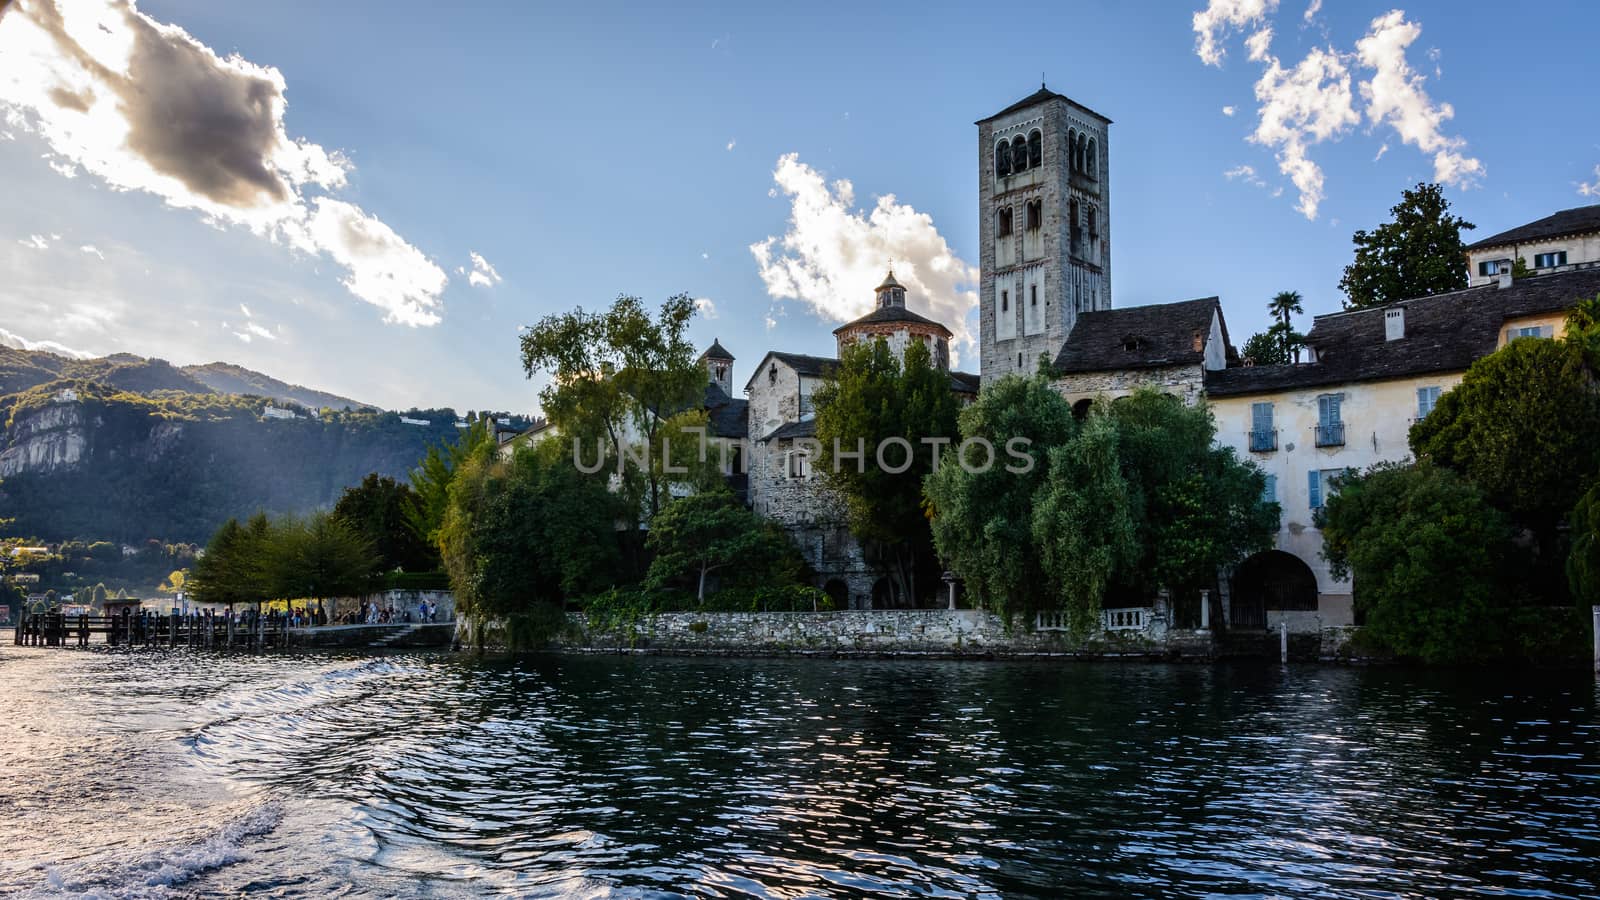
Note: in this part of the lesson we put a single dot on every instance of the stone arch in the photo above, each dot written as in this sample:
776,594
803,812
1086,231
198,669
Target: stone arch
1019,153
838,592
1092,159
1003,223
1002,159
1080,410
1082,151
1271,580
1072,143
1035,148
883,594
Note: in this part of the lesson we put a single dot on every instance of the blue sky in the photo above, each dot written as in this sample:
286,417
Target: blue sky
586,151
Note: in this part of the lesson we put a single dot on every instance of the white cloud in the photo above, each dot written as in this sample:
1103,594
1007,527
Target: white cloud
145,107
92,250
1395,96
246,310
483,274
1591,188
18,342
1300,107
1381,151
1228,110
1223,16
705,256
833,254
1312,10
731,144
383,269
1259,44
1247,174
705,307
36,242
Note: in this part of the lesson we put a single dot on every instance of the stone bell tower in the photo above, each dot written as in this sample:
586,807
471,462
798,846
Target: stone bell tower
719,366
1044,216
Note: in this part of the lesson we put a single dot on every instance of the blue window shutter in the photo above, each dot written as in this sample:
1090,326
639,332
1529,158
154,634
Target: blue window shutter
1270,492
1314,483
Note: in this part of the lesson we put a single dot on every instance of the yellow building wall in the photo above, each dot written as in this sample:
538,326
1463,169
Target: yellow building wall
1377,420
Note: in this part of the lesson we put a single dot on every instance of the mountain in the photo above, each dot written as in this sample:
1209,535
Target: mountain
125,448
226,378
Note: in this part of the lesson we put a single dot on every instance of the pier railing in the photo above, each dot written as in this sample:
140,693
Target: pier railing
203,630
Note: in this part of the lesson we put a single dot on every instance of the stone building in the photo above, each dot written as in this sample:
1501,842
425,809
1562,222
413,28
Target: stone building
1569,238
779,450
1044,217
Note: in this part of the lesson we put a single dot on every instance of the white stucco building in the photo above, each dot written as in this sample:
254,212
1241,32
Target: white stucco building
1569,238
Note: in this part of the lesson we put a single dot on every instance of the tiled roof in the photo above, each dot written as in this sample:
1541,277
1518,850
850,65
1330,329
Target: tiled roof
1443,333
964,382
819,366
791,430
892,314
1138,337
1039,96
729,418
716,351
1578,220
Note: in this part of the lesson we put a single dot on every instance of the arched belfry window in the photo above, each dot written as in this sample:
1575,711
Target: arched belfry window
1083,145
1035,148
1002,222
1002,159
1019,153
1035,213
1093,161
1072,155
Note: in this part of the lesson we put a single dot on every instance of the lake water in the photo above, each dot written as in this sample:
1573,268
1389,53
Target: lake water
179,774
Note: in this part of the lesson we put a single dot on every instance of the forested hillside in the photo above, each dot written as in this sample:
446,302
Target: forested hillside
125,449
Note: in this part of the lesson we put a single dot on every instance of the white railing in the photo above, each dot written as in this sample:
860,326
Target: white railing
1133,619
1125,619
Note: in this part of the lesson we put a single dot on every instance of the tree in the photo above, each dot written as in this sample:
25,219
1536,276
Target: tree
1196,506
708,532
97,597
982,521
1425,552
430,480
874,399
319,556
1419,253
386,514
1265,348
620,377
1083,524
234,568
1283,307
1583,562
174,582
1521,426
521,536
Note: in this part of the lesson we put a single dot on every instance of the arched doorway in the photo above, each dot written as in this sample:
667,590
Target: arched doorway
1080,410
838,592
1271,580
883,594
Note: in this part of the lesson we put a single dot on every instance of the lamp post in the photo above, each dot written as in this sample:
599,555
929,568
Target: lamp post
950,583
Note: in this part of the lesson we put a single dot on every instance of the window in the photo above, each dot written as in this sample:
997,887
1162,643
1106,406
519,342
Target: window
1035,148
772,374
1324,484
1019,153
1094,224
1427,399
1550,260
1269,491
1072,154
1075,229
1002,159
1489,267
1033,298
1530,331
1083,152
1002,226
1005,301
1035,210
1263,437
799,464
1330,421
1091,159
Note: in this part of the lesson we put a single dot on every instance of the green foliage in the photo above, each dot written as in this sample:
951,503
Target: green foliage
616,371
1521,426
430,480
526,532
386,513
874,398
1266,349
1427,555
708,532
1417,254
234,567
1083,525
1583,562
319,556
982,522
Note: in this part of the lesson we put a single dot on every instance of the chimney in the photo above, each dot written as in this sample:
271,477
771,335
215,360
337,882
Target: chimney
1394,323
1504,268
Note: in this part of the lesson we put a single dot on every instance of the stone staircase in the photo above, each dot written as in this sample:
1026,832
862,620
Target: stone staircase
399,634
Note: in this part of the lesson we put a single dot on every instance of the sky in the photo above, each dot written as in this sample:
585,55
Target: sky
373,198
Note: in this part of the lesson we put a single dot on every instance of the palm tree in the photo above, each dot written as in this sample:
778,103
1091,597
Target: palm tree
1282,306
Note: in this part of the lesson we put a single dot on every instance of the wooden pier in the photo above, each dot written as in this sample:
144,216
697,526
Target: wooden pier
203,630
